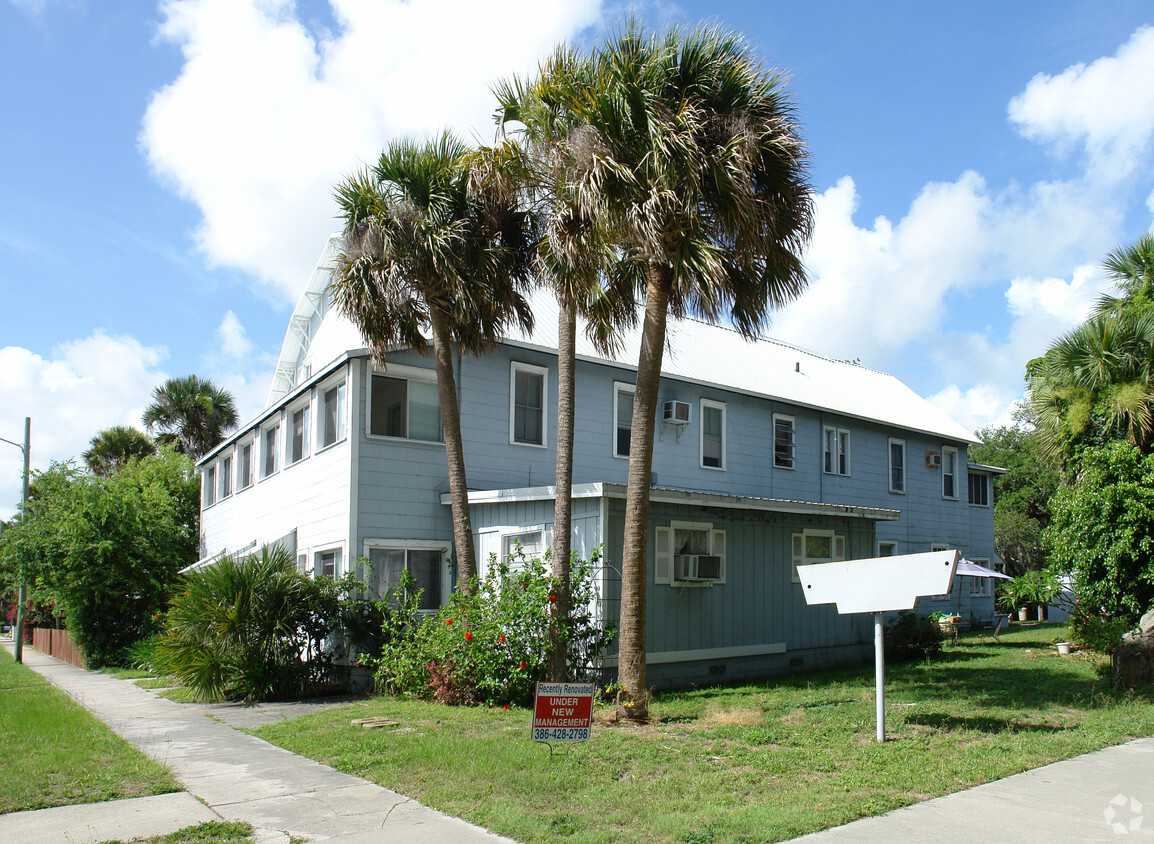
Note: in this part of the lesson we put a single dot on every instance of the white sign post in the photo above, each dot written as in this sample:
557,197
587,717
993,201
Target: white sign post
879,585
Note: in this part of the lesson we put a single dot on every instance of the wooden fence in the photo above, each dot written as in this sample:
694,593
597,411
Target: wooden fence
59,644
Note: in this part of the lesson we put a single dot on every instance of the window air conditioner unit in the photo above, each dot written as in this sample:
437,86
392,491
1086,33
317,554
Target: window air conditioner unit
697,567
933,460
676,412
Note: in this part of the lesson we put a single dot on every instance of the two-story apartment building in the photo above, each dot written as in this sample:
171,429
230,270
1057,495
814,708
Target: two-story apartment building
766,457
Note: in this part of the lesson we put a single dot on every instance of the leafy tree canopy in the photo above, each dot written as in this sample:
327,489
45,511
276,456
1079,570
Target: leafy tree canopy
113,447
191,414
1102,530
107,549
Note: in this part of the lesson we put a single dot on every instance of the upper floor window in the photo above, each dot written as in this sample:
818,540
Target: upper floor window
226,477
949,472
404,407
622,418
836,448
269,461
298,434
208,485
979,489
528,392
712,434
783,442
897,465
245,465
332,421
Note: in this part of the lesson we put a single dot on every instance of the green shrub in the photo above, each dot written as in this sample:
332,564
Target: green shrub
255,628
488,648
910,636
1097,631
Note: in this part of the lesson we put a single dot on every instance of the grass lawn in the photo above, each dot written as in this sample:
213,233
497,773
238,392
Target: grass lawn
761,761
54,753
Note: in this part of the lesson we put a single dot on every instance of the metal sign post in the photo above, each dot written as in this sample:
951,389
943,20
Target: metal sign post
879,585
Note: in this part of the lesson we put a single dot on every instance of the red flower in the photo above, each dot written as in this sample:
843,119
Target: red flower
552,599
502,638
448,621
524,665
468,637
506,706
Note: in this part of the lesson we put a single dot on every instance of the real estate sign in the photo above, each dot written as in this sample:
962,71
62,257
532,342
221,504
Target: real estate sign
562,712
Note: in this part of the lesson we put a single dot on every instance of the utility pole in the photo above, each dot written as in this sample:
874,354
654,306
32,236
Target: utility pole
18,639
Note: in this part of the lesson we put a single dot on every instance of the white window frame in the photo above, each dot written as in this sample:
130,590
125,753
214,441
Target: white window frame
981,587
709,404
940,546
835,458
253,459
226,473
509,535
290,440
322,422
987,485
950,450
338,560
781,417
400,373
837,547
269,450
208,486
664,570
408,545
543,373
897,490
618,388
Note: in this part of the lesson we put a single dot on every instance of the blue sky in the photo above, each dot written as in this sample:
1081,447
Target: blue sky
168,166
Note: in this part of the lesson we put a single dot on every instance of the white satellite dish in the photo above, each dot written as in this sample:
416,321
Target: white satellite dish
879,585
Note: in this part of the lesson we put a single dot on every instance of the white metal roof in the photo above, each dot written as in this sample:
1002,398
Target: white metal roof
695,352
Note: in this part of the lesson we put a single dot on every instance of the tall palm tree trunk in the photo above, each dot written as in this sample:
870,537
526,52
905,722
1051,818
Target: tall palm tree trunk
631,644
563,495
454,449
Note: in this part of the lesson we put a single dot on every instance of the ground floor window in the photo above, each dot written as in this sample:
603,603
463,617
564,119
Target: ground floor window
424,564
327,563
689,553
981,587
816,546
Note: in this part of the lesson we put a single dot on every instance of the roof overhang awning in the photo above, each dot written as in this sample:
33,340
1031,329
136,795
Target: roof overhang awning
662,495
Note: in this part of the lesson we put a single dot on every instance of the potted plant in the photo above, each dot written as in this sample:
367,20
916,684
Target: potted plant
1012,596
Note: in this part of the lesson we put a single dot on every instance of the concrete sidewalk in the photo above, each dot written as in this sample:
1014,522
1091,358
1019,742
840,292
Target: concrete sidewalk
1098,797
235,776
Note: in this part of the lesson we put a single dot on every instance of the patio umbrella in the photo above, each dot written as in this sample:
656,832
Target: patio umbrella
974,570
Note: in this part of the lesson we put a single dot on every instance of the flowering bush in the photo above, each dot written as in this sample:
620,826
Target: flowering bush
489,648
1097,631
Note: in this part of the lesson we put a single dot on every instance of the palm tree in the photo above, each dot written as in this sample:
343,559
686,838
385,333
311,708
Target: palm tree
113,447
1131,268
429,248
694,158
192,414
573,253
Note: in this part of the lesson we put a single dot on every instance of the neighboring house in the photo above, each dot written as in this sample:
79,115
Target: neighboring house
766,457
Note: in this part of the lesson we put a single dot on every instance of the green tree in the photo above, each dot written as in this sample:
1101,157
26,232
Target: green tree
109,548
1102,530
573,255
428,247
1021,495
114,447
1131,268
192,414
694,158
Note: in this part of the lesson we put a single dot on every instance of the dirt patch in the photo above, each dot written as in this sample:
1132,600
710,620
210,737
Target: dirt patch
718,716
795,718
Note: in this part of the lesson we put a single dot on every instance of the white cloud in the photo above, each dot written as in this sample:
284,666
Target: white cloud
233,340
1105,108
266,115
235,364
82,387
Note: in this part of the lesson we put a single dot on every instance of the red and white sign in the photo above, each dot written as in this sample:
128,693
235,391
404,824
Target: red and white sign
562,712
